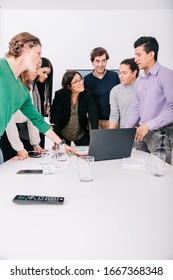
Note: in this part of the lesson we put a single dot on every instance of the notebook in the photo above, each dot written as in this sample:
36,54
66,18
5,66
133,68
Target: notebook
106,144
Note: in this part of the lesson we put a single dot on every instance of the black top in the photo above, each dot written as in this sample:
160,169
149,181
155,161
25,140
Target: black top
61,110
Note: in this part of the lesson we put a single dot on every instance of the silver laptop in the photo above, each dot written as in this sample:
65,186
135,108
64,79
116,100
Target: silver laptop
108,144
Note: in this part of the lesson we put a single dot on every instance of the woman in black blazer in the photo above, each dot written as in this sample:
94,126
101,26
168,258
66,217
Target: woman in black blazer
72,110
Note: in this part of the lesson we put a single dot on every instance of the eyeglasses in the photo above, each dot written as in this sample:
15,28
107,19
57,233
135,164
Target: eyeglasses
77,81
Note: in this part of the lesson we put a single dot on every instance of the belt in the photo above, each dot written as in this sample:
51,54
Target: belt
164,128
169,125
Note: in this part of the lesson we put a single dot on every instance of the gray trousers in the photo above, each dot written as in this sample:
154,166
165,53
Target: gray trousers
158,140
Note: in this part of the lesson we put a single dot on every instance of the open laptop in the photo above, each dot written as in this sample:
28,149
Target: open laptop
108,144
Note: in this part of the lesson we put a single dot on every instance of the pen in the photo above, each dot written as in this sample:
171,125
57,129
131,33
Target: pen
80,155
70,154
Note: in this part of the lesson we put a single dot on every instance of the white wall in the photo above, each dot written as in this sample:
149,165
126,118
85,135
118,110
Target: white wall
69,36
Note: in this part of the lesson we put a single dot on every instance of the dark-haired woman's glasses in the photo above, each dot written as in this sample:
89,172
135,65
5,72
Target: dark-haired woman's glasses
77,81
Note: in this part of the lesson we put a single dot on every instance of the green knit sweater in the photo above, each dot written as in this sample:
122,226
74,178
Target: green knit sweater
13,96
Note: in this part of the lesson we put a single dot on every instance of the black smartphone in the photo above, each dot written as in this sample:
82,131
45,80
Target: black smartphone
30,171
34,154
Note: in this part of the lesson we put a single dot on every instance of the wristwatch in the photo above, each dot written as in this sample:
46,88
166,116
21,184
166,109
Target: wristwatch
61,143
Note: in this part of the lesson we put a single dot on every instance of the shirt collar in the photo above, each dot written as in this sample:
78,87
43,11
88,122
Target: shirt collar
96,75
153,71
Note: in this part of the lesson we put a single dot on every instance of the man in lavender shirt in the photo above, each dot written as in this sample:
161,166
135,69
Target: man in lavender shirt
152,110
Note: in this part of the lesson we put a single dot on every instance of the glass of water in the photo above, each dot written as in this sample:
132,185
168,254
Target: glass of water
61,152
49,162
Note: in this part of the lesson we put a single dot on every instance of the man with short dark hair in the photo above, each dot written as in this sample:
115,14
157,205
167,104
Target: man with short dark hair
100,82
153,106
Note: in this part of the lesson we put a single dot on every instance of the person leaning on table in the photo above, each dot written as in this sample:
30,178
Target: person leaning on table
42,97
24,54
11,142
153,105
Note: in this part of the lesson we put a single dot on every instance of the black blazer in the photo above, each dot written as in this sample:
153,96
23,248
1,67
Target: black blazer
61,110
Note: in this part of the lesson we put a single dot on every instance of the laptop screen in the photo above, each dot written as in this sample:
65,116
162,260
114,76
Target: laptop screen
106,144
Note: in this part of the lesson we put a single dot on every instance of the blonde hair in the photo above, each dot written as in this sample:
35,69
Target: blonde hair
18,41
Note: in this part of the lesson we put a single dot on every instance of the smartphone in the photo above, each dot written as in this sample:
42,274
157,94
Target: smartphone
34,154
30,171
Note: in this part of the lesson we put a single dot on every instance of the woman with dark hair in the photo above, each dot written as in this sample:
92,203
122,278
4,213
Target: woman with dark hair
72,110
42,88
42,97
122,95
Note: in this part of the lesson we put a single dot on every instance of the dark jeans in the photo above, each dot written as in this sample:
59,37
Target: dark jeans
157,140
29,147
9,152
84,141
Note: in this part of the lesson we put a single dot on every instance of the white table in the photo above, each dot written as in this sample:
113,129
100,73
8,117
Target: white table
125,213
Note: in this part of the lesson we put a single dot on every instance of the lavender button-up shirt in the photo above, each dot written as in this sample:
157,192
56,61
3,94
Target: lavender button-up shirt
153,98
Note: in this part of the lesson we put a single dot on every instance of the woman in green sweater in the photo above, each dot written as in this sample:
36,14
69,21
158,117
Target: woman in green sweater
24,54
